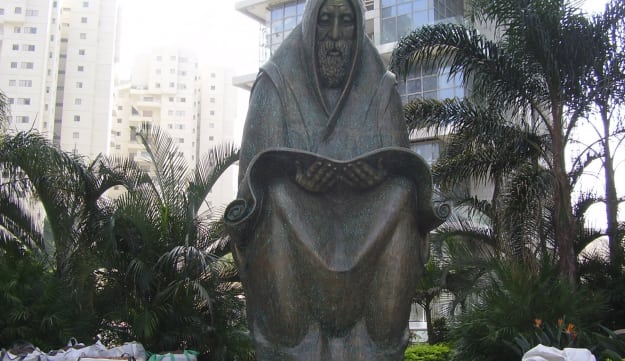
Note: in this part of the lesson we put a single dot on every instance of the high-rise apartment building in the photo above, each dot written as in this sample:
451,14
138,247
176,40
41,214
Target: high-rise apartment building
386,21
56,69
192,103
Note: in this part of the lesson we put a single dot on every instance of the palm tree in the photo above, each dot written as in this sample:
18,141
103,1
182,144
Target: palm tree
172,290
532,75
606,89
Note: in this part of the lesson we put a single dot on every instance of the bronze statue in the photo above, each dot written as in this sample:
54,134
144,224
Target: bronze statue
333,209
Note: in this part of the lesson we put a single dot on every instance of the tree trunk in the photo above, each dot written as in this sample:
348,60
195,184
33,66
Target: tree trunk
564,225
611,197
427,309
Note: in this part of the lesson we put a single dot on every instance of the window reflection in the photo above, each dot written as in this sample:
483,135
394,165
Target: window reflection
284,17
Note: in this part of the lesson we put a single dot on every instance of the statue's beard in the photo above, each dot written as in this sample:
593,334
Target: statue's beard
335,60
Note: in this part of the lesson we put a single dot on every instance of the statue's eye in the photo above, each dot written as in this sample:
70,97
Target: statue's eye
324,19
347,19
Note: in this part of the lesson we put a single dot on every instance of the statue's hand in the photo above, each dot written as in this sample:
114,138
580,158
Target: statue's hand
318,177
362,175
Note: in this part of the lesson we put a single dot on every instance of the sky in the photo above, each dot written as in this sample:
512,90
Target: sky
218,33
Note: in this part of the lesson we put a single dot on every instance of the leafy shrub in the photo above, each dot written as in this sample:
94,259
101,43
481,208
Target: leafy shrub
517,296
425,352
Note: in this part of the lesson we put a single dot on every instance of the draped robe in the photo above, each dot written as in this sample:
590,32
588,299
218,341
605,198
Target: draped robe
328,275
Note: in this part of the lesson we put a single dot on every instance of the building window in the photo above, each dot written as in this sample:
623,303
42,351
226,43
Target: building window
24,119
30,30
27,65
428,150
12,82
211,138
172,85
424,83
18,10
78,101
81,68
14,65
76,118
211,125
400,17
83,20
28,47
172,58
32,12
183,100
170,112
157,85
159,58
180,140
76,135
284,18
147,113
81,51
85,4
119,120
212,112
212,100
16,47
79,85
83,36
17,29
1,11
212,87
26,83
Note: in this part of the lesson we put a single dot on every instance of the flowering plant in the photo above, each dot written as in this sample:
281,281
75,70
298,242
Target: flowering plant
560,334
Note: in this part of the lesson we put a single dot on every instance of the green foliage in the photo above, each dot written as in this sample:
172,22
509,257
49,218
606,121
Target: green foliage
516,296
425,352
558,334
440,331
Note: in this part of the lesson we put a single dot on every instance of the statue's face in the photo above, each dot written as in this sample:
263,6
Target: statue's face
336,30
336,21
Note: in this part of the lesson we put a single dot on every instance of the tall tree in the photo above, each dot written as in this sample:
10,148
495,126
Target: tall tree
532,74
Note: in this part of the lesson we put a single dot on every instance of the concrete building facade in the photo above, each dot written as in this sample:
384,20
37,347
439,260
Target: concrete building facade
56,69
193,103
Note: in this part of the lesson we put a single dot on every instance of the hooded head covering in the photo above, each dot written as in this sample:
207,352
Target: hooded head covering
309,34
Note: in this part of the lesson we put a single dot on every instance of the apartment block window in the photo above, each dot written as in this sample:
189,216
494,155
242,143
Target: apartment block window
28,47
76,135
182,86
17,29
32,12
81,68
79,85
180,113
18,10
119,120
85,4
26,83
30,30
212,100
212,87
1,11
27,65
183,59
81,51
83,36
428,150
170,126
172,58
180,126
212,112
76,118
14,65
78,101
16,47
213,75
180,140
171,85
157,85
148,113
171,99
12,82
183,100
83,20
399,17
211,138
170,112
23,101
24,119
211,125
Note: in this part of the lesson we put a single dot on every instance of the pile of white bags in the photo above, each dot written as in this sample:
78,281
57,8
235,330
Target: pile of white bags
544,353
74,351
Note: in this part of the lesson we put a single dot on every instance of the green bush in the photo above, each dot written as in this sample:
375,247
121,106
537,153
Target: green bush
425,352
519,295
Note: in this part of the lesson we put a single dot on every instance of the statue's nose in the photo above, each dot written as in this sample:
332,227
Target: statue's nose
335,32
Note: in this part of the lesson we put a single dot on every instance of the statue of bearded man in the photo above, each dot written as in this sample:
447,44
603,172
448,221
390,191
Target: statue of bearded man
333,209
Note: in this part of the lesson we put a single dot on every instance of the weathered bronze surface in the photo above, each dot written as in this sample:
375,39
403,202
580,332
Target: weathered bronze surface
333,208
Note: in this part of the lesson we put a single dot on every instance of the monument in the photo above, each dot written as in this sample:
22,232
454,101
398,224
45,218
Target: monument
330,223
